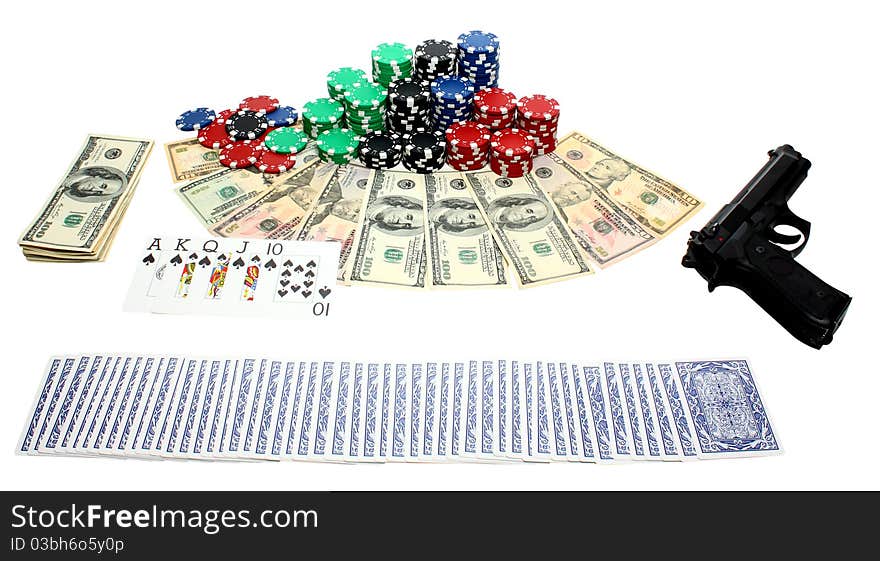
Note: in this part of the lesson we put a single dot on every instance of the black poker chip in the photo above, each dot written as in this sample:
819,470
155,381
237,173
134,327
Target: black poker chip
409,105
380,150
246,125
424,151
434,58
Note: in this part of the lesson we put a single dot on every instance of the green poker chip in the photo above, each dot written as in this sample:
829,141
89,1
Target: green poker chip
286,140
323,111
367,95
338,142
393,54
345,78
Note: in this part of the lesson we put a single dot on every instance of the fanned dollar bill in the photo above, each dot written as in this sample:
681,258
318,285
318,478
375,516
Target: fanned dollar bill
335,215
188,160
277,213
462,251
389,247
532,236
604,230
80,219
657,204
214,196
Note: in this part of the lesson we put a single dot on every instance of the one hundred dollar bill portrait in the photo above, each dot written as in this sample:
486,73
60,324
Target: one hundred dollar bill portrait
397,215
457,216
95,184
524,213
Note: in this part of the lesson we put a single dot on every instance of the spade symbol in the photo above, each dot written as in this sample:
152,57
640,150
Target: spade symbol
324,292
193,255
270,264
299,269
238,263
205,261
286,273
311,264
176,260
149,259
255,259
282,293
295,287
306,293
288,263
308,283
285,282
310,274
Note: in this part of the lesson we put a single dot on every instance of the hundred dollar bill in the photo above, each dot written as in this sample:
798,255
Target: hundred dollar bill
335,215
277,213
188,160
389,247
604,230
461,248
533,238
657,204
80,219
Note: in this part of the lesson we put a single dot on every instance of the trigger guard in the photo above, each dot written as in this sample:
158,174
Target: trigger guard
793,221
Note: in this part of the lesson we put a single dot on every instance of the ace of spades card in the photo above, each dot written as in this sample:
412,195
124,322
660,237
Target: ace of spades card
235,277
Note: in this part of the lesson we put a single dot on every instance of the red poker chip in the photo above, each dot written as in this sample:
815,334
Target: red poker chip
512,142
215,135
538,108
495,101
536,126
225,114
468,134
461,166
240,154
260,103
273,162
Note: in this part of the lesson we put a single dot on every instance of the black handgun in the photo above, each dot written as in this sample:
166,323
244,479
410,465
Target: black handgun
738,247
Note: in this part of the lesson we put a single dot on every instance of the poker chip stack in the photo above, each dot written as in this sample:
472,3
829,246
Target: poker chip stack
409,105
343,79
365,108
478,58
391,61
511,154
321,115
424,151
538,115
453,99
467,146
338,146
380,150
495,108
435,58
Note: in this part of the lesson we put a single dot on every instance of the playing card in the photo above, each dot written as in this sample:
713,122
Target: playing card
175,415
472,422
488,414
518,417
621,437
677,411
30,432
586,436
668,437
725,409
501,422
653,438
399,428
631,402
148,441
96,417
206,409
82,401
558,423
294,419
542,414
306,422
416,398
67,393
281,419
322,422
193,409
598,403
569,407
136,401
459,396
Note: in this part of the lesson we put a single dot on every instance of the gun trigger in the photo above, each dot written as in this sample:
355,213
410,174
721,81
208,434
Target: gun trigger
783,239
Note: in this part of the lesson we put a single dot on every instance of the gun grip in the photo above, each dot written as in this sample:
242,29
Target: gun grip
805,305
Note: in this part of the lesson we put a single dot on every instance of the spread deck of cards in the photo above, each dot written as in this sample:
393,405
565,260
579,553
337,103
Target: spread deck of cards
418,172
259,408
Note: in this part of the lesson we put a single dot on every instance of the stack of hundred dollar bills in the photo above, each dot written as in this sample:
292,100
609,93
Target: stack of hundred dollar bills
81,217
582,208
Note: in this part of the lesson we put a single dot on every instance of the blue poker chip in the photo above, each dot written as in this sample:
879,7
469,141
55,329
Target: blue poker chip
453,88
284,116
195,119
478,42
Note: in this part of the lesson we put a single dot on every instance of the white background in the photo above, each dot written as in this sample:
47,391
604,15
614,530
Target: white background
696,93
